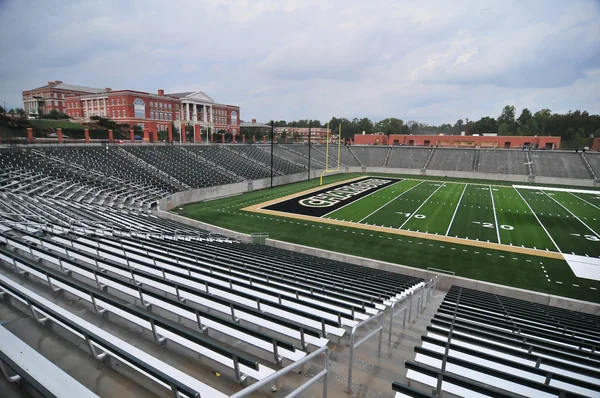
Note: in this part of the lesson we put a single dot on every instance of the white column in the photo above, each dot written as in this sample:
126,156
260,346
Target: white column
210,114
189,114
204,110
195,112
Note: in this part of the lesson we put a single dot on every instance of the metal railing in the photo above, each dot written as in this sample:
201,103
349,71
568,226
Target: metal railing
277,375
393,314
353,345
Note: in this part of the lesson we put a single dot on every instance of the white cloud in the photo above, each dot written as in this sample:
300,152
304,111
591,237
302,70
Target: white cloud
434,61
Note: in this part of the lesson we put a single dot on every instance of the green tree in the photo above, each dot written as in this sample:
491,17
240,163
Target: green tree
2,110
20,112
485,125
542,119
507,118
459,126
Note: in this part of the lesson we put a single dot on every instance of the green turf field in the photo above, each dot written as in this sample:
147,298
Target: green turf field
560,222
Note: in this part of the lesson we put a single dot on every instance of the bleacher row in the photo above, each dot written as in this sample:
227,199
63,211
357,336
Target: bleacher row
245,309
485,345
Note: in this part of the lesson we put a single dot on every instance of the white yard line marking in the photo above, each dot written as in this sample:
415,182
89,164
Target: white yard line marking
456,210
585,201
391,201
495,218
422,204
561,205
357,200
536,217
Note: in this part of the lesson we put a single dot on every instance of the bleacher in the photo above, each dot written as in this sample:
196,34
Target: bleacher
502,161
192,170
483,344
452,159
229,160
370,156
245,309
262,155
408,158
558,164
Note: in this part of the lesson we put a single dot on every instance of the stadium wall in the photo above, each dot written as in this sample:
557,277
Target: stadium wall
445,284
199,195
581,182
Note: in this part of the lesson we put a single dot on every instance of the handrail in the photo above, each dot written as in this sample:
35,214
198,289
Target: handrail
282,372
379,329
393,314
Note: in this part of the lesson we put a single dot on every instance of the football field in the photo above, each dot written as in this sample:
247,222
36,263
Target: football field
550,222
533,237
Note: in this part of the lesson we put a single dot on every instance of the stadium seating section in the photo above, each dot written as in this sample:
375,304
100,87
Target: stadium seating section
482,344
77,221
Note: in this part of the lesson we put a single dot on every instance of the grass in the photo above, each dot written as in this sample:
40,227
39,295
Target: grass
426,205
44,124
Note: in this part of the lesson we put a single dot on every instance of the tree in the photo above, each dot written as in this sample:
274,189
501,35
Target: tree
485,125
12,111
2,110
524,117
507,118
20,112
542,118
459,126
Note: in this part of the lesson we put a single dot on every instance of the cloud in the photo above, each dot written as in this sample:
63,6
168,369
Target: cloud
432,61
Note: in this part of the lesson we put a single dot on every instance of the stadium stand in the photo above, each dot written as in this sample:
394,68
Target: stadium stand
227,160
483,344
262,154
408,158
317,158
451,159
176,161
502,161
112,259
558,164
370,156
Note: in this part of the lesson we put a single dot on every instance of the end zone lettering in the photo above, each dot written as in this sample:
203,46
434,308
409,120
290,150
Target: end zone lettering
337,195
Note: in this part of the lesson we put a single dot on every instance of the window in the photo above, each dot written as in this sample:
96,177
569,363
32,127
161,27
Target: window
119,113
232,131
139,108
113,102
169,105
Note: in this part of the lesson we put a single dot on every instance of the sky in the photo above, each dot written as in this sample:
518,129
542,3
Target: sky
429,61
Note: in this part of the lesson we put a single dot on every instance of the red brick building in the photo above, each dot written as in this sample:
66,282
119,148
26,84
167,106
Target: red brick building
52,96
486,141
315,132
156,112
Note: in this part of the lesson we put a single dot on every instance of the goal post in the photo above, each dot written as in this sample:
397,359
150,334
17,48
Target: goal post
339,142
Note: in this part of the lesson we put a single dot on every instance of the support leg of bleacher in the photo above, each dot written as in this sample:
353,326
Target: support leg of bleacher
13,379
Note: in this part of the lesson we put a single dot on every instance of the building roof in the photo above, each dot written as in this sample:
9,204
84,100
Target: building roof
254,124
65,86
194,95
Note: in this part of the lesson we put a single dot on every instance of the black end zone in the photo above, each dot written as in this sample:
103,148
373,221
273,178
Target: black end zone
329,199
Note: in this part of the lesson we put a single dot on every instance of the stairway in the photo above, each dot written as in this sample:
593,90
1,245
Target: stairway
387,156
588,166
428,159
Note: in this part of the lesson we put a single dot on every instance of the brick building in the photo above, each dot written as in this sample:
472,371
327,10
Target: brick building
315,132
156,112
470,141
52,96
152,112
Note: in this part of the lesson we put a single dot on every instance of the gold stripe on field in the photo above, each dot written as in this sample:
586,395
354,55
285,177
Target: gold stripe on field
259,208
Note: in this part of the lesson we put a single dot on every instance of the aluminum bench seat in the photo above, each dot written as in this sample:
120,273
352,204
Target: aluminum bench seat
100,340
37,371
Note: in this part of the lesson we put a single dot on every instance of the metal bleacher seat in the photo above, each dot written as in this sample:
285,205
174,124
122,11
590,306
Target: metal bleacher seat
408,158
502,161
262,154
482,344
102,344
35,370
452,159
370,156
558,164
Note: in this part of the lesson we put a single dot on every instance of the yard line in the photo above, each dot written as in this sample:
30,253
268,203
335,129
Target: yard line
536,217
495,217
391,201
585,201
456,210
560,204
425,201
366,196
